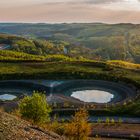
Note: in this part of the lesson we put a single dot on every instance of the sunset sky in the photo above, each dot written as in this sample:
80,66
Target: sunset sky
59,11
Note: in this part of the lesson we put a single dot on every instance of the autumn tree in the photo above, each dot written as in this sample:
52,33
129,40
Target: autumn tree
79,128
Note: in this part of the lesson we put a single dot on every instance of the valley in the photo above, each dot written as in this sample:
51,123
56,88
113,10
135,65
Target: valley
89,40
92,66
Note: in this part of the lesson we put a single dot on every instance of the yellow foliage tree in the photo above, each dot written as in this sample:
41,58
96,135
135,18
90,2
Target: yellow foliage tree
79,128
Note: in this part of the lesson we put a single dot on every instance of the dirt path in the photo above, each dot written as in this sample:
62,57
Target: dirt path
117,131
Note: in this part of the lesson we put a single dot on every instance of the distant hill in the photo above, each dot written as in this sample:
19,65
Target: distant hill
92,40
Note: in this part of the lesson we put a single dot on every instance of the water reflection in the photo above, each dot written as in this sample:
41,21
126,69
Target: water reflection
96,96
7,97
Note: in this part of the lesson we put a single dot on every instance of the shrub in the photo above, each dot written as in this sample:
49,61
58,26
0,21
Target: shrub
120,121
78,128
99,121
107,121
56,126
112,121
35,108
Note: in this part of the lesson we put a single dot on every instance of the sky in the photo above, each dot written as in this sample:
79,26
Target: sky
70,11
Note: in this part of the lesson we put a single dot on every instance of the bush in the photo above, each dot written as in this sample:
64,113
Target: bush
56,126
107,121
79,128
35,108
120,121
112,121
99,121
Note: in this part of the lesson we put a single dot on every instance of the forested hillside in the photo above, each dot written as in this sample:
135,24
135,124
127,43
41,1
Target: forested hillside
95,40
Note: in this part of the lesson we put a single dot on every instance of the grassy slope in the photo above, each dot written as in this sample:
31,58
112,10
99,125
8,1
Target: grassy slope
124,64
13,56
59,66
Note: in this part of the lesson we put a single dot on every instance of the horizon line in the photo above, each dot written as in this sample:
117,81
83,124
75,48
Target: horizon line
68,23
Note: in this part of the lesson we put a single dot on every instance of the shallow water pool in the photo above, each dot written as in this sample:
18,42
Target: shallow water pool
7,97
96,96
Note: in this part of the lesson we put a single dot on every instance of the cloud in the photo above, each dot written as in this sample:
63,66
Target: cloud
102,1
4,3
83,1
67,13
72,11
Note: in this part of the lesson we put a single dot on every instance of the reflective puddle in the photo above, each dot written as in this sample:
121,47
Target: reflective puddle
96,96
7,97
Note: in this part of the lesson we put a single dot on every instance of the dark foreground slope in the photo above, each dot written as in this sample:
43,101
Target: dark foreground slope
13,128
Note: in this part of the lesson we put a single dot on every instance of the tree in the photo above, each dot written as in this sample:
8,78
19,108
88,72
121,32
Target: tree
35,108
79,128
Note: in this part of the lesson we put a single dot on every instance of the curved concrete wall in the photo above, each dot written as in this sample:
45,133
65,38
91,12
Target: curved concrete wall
121,92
